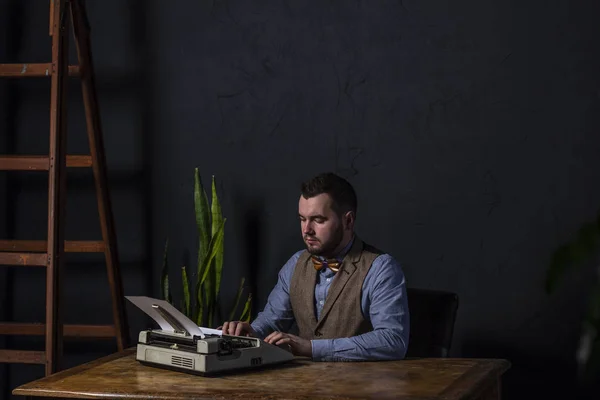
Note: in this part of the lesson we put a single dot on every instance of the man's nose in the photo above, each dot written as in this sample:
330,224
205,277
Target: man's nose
308,228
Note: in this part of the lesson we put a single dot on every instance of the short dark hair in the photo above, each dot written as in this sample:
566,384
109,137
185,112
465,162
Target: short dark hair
340,190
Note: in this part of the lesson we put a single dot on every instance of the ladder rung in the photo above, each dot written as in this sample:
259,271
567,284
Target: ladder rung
24,259
28,70
71,246
40,163
22,356
90,331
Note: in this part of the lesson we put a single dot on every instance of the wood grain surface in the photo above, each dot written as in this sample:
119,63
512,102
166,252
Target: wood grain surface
121,376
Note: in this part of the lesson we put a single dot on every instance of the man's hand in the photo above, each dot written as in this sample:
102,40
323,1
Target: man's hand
298,346
237,328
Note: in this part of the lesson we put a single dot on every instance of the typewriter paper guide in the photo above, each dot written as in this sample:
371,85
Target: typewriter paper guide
148,305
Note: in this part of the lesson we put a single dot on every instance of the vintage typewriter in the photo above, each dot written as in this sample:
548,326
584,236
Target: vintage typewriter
183,346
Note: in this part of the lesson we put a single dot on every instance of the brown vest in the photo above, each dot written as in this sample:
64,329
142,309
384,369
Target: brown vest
341,315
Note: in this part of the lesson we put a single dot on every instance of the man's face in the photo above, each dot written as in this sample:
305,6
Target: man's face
322,228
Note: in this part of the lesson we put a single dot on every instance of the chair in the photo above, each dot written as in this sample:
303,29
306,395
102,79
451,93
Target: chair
432,316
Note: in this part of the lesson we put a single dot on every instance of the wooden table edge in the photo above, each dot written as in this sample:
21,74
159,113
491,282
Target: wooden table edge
481,377
26,390
484,373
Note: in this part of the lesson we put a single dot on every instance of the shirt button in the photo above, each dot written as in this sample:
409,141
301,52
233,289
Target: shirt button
328,279
321,302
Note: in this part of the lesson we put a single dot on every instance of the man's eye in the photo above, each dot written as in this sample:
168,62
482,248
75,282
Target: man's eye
319,220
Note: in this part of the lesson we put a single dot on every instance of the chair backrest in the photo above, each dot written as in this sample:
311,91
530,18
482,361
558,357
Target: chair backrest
432,317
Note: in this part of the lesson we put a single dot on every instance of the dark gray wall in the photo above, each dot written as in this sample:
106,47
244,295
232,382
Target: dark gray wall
470,131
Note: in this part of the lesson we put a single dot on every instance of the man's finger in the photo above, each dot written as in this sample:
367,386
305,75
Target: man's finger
239,328
273,336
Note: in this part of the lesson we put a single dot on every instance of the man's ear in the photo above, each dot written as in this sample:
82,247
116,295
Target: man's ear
349,220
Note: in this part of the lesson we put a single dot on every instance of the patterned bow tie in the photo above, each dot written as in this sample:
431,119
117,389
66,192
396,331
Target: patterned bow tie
332,264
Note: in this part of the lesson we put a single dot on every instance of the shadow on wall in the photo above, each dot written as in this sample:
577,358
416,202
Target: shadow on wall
248,214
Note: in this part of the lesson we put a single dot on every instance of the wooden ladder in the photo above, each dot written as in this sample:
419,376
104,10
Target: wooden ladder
49,253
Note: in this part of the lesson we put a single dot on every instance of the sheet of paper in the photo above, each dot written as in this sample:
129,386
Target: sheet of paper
146,304
209,331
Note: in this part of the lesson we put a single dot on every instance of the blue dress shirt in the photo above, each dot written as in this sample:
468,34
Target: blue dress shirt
383,303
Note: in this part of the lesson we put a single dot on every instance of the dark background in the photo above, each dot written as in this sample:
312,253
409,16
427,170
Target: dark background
469,129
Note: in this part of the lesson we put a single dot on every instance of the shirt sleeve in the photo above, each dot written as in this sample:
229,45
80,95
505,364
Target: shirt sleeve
277,314
387,306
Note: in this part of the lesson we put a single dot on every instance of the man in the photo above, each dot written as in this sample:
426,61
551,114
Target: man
347,298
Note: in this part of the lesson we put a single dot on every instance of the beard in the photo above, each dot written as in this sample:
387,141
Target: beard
327,248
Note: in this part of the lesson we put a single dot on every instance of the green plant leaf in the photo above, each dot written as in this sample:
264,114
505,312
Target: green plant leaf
215,244
207,289
202,221
164,280
186,292
202,214
217,220
238,297
246,314
200,307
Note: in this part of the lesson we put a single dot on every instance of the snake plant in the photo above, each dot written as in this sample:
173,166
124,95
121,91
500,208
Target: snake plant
201,294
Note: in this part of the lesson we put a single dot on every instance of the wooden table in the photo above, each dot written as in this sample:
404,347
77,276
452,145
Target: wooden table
120,376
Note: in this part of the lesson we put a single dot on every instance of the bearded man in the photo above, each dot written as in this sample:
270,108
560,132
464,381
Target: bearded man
345,299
